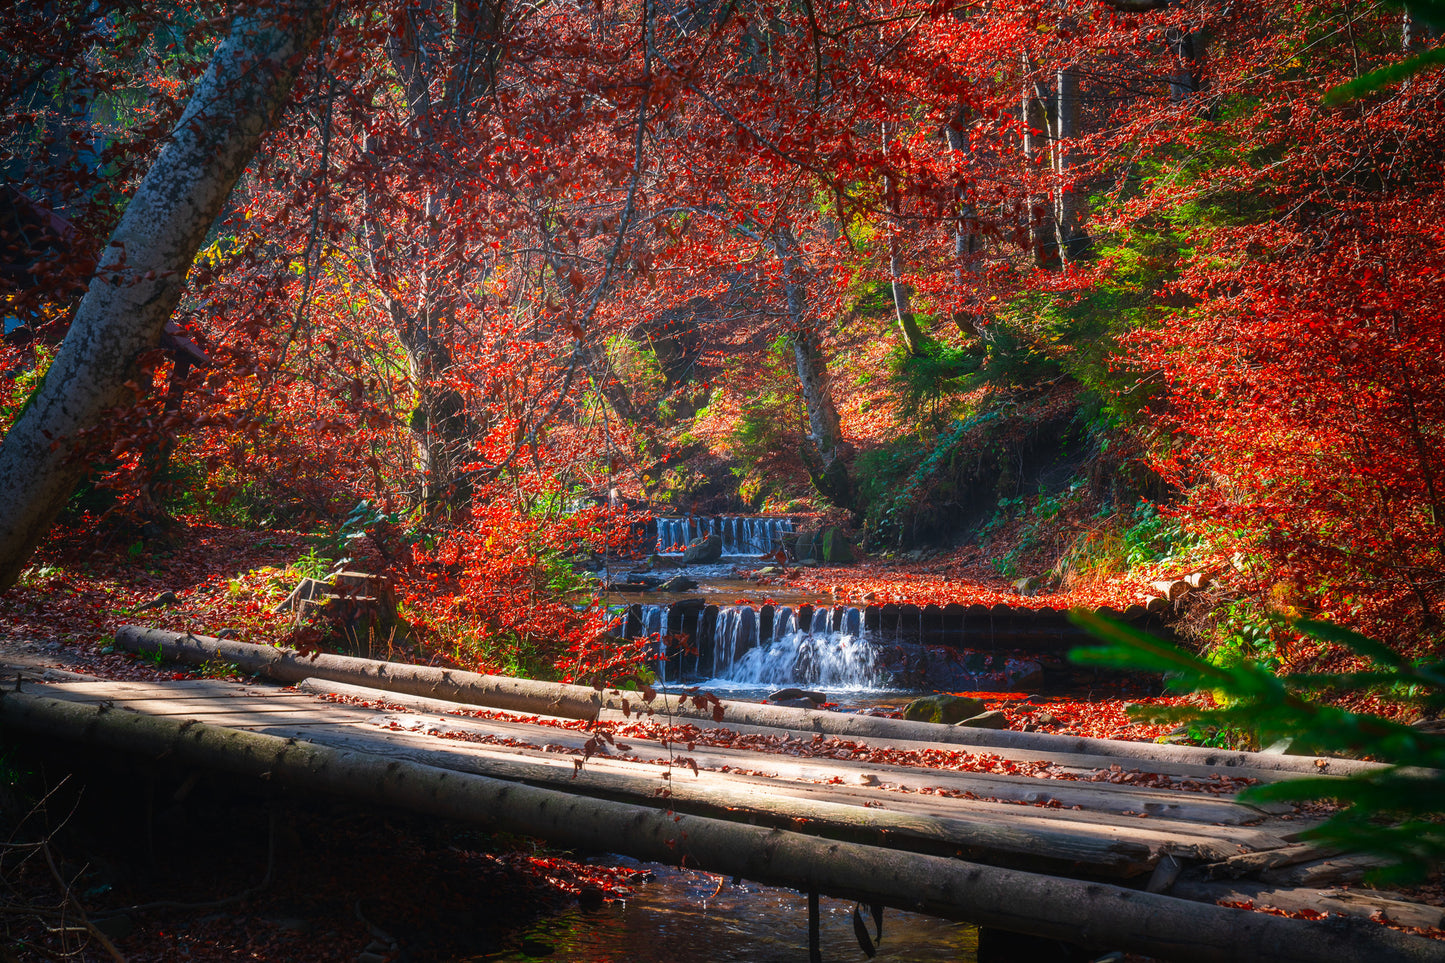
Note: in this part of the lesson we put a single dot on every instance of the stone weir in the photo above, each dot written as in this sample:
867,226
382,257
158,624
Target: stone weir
873,647
740,534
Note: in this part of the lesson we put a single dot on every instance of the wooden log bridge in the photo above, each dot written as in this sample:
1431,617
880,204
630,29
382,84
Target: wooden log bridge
1089,841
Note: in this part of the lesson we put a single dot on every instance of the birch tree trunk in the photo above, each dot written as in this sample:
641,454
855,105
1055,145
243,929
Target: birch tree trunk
1068,215
967,244
1043,240
823,448
902,293
142,273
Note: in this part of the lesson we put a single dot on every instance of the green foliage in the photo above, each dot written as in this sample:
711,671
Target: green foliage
1044,509
927,381
1246,635
765,438
1153,537
365,520
12,774
312,564
1394,811
1384,77
891,512
879,469
21,388
636,364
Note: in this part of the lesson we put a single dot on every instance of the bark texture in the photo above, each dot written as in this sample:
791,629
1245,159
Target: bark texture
442,426
908,329
1037,130
288,665
823,448
583,702
967,242
1079,912
1048,745
142,274
1068,199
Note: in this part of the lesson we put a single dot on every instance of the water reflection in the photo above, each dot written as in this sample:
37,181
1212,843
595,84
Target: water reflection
681,915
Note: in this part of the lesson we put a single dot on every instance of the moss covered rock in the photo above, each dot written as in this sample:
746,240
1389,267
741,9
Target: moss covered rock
837,548
945,709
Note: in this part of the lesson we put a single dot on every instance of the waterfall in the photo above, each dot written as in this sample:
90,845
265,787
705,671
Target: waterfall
736,634
815,655
740,534
654,622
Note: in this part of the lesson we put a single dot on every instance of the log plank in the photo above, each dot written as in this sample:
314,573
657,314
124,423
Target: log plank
1087,912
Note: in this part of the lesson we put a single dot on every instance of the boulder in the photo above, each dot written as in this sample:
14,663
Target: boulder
805,545
708,548
945,709
986,720
1025,675
816,698
837,547
678,583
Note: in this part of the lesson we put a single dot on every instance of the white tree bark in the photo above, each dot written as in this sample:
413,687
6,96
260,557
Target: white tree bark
142,273
823,448
1037,135
913,339
1068,203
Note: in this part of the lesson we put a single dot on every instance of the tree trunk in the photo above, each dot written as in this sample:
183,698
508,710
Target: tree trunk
1039,219
142,274
912,335
1074,910
287,665
966,241
823,448
1186,50
1068,216
583,702
443,428
908,328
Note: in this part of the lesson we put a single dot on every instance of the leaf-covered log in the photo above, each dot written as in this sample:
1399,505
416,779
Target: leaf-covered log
1090,913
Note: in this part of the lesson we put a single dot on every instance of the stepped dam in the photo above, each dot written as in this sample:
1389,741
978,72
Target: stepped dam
872,647
740,534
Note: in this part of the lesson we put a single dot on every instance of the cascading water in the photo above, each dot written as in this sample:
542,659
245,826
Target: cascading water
736,653
735,634
813,655
654,622
840,648
741,535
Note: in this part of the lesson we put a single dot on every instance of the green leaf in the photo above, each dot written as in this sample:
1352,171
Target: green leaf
1384,77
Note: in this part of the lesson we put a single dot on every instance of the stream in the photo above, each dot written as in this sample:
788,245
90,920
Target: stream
683,914
678,914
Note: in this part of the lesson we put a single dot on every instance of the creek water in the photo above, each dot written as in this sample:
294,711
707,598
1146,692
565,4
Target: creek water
683,915
677,914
